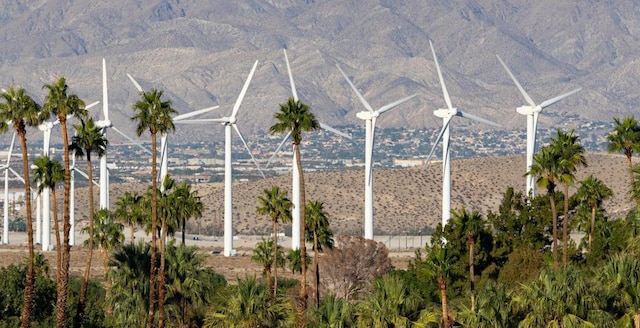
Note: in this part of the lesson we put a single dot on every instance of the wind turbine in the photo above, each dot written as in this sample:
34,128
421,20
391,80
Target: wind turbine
295,181
230,122
369,116
5,232
447,114
532,111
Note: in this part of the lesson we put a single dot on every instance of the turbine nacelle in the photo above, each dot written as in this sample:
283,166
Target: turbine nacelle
528,110
104,124
446,112
46,126
367,115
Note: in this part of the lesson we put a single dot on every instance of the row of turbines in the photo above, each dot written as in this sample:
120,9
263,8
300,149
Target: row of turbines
369,115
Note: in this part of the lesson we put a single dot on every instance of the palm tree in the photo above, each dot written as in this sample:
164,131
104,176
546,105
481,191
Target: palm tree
128,211
21,111
493,308
440,267
154,115
546,170
63,105
471,225
187,205
268,256
89,139
107,235
390,304
592,192
571,156
620,277
277,206
334,312
47,173
296,117
625,138
248,305
317,229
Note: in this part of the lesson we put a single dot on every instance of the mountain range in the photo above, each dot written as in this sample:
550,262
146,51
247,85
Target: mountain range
200,52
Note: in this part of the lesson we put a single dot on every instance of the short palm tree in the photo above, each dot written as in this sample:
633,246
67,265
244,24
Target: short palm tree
571,156
187,204
318,231
296,117
153,114
21,111
334,312
46,174
269,256
63,105
390,304
546,170
625,138
277,206
592,192
129,211
440,268
88,139
471,225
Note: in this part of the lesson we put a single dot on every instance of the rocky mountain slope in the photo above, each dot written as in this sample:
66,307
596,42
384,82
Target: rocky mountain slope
200,53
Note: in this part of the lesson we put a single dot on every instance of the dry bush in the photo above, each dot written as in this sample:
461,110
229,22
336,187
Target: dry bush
351,266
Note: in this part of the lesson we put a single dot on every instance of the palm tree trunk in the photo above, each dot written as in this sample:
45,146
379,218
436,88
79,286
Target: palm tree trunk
63,284
154,225
302,308
107,282
472,282
629,166
565,226
131,235
184,227
443,296
162,290
56,227
554,223
87,270
593,225
275,257
29,290
316,265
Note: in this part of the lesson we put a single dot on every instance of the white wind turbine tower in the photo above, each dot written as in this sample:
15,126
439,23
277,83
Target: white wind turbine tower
369,116
531,111
295,181
230,122
447,114
5,232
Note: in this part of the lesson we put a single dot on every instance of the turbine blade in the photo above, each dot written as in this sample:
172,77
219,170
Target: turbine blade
535,130
552,101
444,87
278,149
236,106
293,84
362,100
476,118
513,77
203,120
132,140
435,144
394,104
235,127
373,135
135,83
91,105
16,174
194,113
86,176
105,96
330,129
13,140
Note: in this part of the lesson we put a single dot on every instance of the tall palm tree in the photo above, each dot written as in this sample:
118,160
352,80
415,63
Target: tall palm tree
317,229
571,156
47,173
21,111
63,105
471,225
296,117
107,235
153,114
277,206
89,139
592,192
546,170
129,212
625,138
